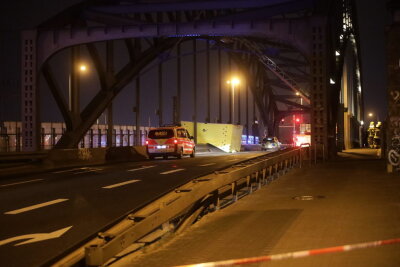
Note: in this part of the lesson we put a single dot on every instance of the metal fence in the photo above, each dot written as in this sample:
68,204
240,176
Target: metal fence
123,135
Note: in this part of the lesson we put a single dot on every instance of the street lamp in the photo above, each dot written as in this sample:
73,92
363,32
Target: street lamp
80,69
233,82
372,115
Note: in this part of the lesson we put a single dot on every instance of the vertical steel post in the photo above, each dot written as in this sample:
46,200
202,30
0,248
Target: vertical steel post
91,138
110,125
239,106
208,119
99,136
137,126
231,97
178,81
195,89
74,82
247,112
219,87
18,139
110,72
160,95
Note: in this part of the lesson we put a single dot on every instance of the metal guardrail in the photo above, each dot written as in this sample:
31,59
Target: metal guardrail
181,207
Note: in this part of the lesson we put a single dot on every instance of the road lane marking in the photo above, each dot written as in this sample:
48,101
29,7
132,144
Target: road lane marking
88,170
168,172
208,164
141,168
71,170
37,206
24,182
120,184
232,159
32,238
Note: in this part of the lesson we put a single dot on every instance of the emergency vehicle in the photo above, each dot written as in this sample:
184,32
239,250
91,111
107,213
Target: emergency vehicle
302,140
170,141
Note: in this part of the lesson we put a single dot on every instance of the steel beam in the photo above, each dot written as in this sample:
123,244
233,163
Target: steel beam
100,102
51,41
60,100
195,89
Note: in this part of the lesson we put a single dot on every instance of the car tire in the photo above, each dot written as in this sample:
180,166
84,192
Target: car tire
180,154
193,153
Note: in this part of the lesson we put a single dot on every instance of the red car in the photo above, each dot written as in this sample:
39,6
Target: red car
170,141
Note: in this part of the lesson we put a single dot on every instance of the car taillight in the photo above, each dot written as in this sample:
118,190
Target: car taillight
147,142
175,141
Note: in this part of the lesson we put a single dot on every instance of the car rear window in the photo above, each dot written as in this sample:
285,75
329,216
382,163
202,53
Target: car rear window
161,134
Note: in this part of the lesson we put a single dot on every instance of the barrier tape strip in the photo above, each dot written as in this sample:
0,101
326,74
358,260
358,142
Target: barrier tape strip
294,255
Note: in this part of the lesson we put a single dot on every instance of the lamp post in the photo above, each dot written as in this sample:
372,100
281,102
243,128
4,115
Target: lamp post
81,69
233,82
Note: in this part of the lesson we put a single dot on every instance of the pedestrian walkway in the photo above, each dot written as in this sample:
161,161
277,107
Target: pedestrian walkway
354,201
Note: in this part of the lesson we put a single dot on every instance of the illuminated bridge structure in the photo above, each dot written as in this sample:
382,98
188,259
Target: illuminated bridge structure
296,57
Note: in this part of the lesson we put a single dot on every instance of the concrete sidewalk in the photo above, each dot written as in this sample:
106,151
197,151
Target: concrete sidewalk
359,202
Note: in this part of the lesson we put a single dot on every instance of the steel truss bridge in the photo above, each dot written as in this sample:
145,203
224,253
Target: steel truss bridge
297,57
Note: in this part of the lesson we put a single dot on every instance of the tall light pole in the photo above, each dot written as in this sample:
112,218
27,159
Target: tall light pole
233,82
82,68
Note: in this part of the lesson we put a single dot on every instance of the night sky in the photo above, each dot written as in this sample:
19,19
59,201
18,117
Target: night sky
17,15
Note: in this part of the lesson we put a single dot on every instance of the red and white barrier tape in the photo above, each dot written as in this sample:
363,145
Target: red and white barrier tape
297,254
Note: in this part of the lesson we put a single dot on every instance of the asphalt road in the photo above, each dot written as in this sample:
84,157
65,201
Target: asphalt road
44,215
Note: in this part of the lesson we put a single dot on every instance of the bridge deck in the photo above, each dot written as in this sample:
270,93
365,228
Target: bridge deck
359,203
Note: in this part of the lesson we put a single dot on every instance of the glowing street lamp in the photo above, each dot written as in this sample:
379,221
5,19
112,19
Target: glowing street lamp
82,68
373,116
233,82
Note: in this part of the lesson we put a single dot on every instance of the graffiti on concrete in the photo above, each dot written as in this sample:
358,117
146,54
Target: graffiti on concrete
84,154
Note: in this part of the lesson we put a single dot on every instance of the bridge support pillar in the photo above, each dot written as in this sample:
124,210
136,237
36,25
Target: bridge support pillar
29,93
320,86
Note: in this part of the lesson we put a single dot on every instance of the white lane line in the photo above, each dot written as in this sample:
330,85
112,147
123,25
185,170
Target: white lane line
208,164
24,182
71,170
41,205
168,172
120,184
141,168
88,170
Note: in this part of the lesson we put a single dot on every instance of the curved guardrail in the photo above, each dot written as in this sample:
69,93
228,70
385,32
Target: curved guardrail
181,207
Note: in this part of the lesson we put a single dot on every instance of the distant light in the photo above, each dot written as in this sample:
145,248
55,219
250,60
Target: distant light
82,68
370,114
233,81
337,53
362,122
332,81
359,88
297,120
297,93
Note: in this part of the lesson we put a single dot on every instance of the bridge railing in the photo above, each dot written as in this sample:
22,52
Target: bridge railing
181,207
123,135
